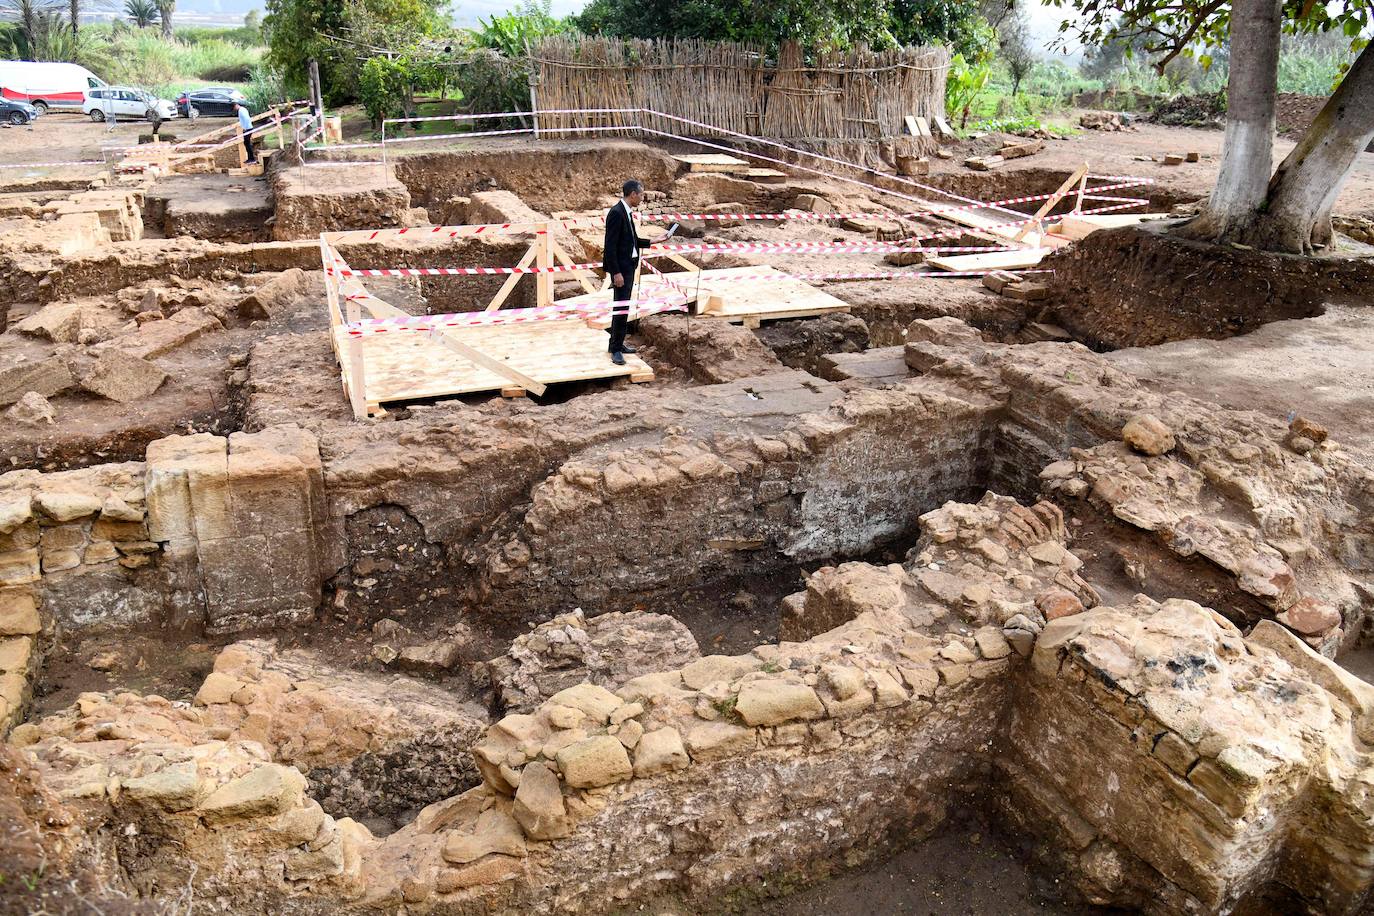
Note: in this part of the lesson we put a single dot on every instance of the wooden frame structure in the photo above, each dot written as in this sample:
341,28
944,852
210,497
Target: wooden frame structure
168,156
515,359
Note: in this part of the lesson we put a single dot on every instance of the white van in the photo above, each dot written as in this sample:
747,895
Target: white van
47,85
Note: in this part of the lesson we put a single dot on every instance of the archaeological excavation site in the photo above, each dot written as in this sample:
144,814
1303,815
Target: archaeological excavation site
940,504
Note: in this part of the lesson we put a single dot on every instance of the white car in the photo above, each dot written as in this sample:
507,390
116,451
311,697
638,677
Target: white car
124,102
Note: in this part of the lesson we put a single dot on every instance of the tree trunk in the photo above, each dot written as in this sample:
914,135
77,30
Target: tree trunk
1297,216
165,14
1247,152
76,15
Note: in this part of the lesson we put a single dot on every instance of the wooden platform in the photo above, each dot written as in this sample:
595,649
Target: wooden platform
714,162
1077,227
992,260
746,302
409,366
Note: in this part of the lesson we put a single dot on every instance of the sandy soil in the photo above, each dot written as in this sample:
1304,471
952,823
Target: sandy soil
1317,367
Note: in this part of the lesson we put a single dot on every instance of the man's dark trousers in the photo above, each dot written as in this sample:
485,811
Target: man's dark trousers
620,315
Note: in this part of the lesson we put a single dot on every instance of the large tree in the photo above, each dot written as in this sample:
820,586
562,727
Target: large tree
1290,209
815,24
165,8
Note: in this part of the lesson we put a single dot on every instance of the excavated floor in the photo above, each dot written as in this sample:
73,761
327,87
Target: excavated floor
438,583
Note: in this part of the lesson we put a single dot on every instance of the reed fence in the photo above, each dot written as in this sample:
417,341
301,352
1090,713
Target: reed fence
856,94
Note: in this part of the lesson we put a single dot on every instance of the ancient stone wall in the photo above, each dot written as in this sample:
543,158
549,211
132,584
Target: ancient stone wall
210,532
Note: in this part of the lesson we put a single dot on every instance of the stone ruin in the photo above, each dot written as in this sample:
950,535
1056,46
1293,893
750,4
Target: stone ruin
986,575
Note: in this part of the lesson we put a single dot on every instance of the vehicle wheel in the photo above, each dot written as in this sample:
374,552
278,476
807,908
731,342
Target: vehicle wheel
192,113
97,115
150,115
18,117
42,106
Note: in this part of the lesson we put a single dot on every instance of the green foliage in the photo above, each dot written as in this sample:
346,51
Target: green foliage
964,83
1014,125
515,31
490,81
385,87
264,88
145,58
815,24
142,13
1169,30
343,34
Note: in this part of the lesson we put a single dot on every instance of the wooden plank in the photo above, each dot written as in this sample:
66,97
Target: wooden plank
713,162
910,122
562,258
766,176
409,366
777,296
449,338
1052,201
923,127
506,288
543,282
993,260
1077,227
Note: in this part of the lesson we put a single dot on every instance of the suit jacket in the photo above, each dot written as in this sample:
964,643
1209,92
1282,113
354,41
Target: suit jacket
619,250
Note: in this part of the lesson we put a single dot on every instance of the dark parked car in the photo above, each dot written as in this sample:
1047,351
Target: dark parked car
16,112
215,102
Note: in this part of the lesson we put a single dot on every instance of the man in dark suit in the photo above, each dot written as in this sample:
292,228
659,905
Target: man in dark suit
621,260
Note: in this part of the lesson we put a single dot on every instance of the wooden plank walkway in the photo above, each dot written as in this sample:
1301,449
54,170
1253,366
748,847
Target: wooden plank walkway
410,366
747,302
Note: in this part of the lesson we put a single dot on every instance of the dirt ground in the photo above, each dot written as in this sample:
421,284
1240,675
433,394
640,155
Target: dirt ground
1318,367
967,869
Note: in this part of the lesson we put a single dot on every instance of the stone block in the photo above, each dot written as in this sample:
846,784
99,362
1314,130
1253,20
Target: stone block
495,832
274,296
159,337
539,806
596,761
48,377
660,751
66,505
15,653
774,701
122,377
16,508
175,787
708,741
1147,434
596,702
18,613
171,463
268,790
18,567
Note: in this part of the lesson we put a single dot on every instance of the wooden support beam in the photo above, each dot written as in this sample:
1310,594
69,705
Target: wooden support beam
562,258
543,282
446,337
357,395
1078,175
506,288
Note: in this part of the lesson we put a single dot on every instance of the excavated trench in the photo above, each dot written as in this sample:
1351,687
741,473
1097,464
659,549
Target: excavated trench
448,530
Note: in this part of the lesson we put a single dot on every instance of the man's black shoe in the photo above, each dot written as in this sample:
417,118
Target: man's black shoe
617,359
626,348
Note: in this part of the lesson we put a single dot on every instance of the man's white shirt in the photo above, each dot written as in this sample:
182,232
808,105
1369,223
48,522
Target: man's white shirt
634,242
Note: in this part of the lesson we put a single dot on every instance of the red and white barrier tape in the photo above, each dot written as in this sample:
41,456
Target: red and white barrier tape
958,230
1091,194
643,306
813,248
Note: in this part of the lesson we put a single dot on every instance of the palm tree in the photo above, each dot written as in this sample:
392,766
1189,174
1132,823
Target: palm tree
141,13
164,10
